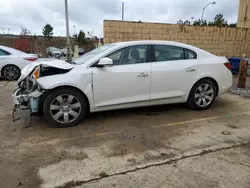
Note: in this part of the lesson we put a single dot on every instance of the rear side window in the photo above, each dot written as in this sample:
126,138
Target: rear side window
3,52
168,53
171,53
189,54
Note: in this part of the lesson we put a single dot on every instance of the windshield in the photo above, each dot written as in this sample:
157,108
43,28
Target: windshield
92,54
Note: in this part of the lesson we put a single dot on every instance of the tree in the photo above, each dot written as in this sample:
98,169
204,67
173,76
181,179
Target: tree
197,23
180,22
219,21
187,22
24,31
234,25
81,37
204,23
210,23
200,23
48,31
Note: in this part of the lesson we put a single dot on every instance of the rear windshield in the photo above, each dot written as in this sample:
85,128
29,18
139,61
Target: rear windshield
12,50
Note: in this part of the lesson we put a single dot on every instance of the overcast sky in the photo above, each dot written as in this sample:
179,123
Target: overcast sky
88,15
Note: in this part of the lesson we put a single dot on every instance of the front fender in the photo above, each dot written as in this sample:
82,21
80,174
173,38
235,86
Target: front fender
81,82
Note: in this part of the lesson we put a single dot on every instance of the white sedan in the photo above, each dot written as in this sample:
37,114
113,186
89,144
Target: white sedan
123,75
12,61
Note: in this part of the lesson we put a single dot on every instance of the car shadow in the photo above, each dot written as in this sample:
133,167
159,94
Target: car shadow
178,111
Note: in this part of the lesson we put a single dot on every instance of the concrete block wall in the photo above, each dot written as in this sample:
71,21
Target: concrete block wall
230,42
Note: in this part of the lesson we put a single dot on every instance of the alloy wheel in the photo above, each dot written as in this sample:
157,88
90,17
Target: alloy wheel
65,108
204,95
11,73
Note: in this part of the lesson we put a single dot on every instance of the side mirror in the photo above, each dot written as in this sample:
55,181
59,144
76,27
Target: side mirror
105,62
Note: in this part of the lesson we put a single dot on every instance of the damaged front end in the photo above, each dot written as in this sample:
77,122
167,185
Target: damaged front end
28,94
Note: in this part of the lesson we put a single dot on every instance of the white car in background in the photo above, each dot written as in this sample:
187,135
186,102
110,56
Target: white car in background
54,52
123,75
12,61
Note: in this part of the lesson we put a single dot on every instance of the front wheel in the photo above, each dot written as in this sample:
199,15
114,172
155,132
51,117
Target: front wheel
202,95
65,107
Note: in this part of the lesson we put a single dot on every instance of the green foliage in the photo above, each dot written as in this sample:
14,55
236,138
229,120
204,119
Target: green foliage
234,25
219,21
48,31
81,37
187,22
197,22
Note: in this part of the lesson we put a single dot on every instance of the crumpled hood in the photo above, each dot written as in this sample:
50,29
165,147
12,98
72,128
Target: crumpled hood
47,62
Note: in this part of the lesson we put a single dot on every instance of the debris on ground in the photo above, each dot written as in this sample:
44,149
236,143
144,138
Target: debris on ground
20,183
225,133
241,91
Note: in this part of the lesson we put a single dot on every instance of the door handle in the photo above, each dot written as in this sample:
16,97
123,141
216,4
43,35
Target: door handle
142,75
190,70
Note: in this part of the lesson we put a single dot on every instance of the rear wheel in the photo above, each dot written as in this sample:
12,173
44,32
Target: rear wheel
202,94
65,107
11,72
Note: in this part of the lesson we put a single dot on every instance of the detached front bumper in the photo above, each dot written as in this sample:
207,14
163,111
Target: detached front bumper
29,101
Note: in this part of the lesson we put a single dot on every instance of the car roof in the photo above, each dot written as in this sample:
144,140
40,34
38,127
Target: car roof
153,42
163,42
12,50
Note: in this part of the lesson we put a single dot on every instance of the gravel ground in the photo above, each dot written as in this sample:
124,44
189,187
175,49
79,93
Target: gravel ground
162,146
239,91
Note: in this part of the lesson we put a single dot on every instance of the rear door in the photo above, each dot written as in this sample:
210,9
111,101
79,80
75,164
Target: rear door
173,71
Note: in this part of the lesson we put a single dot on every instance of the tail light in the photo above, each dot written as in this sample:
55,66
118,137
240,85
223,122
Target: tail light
30,58
228,65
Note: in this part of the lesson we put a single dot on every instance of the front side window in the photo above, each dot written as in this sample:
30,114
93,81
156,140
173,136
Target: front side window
129,55
168,53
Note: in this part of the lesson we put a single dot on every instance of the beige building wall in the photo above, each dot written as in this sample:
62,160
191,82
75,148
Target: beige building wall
244,14
230,42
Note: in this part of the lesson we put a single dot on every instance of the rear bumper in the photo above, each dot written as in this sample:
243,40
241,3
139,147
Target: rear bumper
225,83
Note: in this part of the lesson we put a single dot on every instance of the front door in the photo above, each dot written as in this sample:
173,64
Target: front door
173,72
127,81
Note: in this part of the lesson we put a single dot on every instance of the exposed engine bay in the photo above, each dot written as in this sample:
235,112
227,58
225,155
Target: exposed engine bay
27,95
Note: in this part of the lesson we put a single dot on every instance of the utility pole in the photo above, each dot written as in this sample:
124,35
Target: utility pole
74,30
8,30
3,29
67,32
122,11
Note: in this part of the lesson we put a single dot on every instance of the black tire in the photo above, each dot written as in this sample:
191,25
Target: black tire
6,70
64,91
191,99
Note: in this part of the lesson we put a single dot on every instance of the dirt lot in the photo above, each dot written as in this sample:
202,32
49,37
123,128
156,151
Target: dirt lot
163,146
